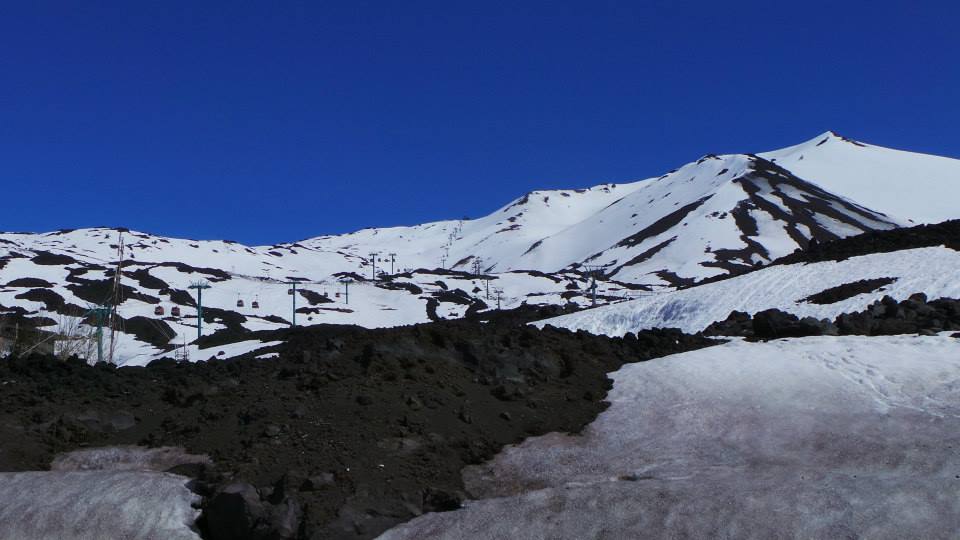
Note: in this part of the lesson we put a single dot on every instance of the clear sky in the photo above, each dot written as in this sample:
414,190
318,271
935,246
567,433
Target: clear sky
278,120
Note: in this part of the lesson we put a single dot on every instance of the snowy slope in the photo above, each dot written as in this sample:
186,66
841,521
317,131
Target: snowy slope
703,219
717,215
905,185
932,271
711,217
809,438
49,275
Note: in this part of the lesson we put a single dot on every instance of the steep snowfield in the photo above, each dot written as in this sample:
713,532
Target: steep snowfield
93,505
719,214
918,187
827,437
932,271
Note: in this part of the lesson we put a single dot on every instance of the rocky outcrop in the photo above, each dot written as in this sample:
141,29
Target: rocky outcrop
887,316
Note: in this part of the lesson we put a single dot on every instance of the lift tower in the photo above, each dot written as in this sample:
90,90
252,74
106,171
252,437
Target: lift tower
199,286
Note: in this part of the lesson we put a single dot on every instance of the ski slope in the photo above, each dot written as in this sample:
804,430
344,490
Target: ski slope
932,271
820,438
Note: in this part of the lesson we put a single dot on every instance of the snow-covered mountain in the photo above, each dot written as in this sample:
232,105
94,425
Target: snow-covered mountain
710,218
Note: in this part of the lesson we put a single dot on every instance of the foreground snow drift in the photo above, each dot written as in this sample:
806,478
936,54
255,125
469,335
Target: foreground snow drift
809,438
95,505
928,270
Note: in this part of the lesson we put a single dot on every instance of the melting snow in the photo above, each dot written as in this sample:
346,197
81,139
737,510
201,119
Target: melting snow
803,438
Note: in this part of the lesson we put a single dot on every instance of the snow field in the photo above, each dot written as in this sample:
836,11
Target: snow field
820,437
932,271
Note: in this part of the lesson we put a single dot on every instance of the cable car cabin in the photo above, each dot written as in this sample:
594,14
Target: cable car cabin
290,291
158,310
239,303
255,305
175,311
338,295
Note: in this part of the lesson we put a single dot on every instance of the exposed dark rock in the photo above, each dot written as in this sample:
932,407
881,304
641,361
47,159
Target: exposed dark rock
941,234
30,282
432,399
884,317
847,290
45,258
313,297
773,323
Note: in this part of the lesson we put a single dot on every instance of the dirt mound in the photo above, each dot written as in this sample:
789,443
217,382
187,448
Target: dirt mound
350,430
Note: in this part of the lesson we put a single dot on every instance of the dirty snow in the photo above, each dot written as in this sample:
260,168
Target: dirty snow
823,437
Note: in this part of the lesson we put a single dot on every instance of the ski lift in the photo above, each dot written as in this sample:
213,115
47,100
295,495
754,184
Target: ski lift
158,310
290,292
255,305
175,311
239,303
338,295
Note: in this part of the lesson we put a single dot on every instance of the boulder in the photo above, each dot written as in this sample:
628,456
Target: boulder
773,323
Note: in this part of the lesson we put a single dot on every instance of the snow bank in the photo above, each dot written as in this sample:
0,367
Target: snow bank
822,437
928,270
96,505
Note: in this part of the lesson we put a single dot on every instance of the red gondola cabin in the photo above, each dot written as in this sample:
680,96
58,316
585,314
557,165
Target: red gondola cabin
175,311
158,310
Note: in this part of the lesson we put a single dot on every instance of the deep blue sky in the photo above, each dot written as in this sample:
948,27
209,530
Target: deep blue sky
276,120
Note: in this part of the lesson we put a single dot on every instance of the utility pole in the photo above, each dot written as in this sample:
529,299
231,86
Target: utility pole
117,279
293,294
373,261
393,258
101,313
199,286
346,289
